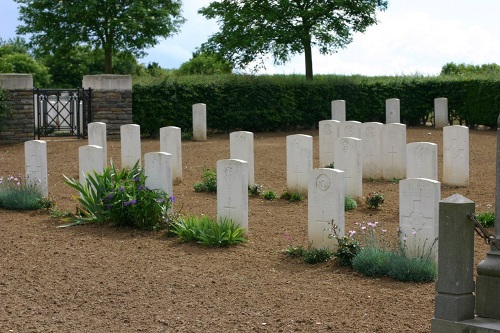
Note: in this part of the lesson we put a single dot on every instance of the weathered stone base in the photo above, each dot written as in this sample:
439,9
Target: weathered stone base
476,325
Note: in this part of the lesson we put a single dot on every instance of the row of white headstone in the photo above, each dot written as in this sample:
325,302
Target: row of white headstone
393,111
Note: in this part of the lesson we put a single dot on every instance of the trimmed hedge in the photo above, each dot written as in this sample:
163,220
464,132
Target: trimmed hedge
269,103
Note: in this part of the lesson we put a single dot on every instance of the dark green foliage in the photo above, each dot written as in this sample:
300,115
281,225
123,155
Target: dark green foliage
348,247
269,195
375,200
17,195
292,197
310,255
5,108
407,269
205,64
120,197
350,204
255,189
487,219
207,232
269,103
208,181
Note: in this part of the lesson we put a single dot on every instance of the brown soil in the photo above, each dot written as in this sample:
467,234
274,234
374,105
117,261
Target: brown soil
102,279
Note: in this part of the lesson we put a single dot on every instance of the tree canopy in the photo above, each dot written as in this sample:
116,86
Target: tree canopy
111,25
205,64
463,69
250,30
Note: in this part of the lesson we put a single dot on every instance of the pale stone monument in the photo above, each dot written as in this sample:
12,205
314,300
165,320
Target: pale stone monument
422,160
171,142
456,155
419,215
326,196
394,151
328,133
35,160
97,137
241,148
348,158
232,191
200,122
130,140
338,110
91,158
158,171
392,111
371,136
350,128
299,160
441,112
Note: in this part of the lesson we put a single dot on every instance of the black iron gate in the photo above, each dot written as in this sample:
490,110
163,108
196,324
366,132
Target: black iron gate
62,112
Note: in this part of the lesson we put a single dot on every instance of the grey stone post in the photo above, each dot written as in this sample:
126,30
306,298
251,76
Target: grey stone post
488,270
455,284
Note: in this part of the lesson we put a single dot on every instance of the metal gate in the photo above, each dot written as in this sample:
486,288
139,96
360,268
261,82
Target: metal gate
62,112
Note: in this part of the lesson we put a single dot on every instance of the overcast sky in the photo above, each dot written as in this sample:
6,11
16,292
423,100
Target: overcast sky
412,36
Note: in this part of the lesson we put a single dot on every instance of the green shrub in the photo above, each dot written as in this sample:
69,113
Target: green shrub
16,194
5,109
208,232
407,269
292,197
374,200
208,181
374,262
315,256
269,195
487,219
120,197
255,189
350,204
348,247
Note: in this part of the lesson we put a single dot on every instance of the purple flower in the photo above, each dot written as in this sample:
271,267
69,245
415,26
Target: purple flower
137,179
122,189
140,187
172,198
133,202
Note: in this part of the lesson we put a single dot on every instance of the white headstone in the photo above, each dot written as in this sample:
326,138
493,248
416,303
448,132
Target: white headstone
421,160
394,151
419,215
441,112
456,155
338,110
326,196
97,137
371,136
91,158
200,122
299,160
130,136
328,133
348,158
171,142
350,129
392,111
35,160
241,148
158,172
232,191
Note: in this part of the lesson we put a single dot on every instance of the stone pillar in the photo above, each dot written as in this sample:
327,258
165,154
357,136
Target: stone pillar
111,100
19,92
455,284
488,270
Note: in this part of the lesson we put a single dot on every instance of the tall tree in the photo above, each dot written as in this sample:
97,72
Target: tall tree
113,25
250,30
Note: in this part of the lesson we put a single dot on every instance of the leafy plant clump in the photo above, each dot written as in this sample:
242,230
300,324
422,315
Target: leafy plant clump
255,189
374,200
207,231
309,255
487,219
208,181
269,195
120,197
16,194
292,197
348,247
350,204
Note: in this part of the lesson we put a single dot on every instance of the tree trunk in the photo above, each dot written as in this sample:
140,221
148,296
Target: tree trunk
308,59
108,60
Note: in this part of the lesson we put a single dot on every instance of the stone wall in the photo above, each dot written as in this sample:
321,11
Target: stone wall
111,100
112,107
19,91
